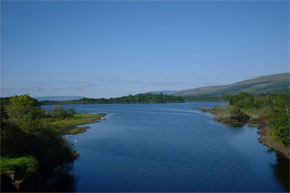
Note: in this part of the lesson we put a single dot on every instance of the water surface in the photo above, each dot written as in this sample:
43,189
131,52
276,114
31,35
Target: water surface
172,148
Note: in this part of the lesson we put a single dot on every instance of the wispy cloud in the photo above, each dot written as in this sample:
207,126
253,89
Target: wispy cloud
197,76
126,81
49,87
80,85
208,83
166,83
255,75
205,77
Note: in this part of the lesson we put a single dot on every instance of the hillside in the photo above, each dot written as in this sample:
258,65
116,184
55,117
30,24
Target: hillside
277,83
165,92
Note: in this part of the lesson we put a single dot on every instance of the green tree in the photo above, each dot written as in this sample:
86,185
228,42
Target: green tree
58,112
3,115
70,112
279,118
24,111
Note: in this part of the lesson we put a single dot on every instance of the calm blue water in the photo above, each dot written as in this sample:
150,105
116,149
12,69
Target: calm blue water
171,147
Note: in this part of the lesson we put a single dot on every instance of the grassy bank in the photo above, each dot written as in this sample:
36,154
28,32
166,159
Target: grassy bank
70,125
23,165
271,112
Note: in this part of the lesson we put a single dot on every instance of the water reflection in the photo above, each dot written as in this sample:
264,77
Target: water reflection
60,181
281,170
235,124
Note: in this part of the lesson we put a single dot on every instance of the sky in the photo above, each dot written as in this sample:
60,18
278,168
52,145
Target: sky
116,48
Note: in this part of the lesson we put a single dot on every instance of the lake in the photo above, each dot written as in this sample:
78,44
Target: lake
172,148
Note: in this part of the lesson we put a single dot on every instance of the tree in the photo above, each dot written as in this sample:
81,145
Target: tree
70,112
61,112
57,112
23,107
3,115
24,111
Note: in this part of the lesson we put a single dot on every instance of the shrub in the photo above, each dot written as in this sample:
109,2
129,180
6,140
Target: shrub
70,112
22,165
61,112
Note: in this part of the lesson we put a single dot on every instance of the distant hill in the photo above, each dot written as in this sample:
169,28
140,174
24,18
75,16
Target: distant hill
166,92
58,98
277,83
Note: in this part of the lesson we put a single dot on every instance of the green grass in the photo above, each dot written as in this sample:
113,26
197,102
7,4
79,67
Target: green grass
76,130
21,165
68,125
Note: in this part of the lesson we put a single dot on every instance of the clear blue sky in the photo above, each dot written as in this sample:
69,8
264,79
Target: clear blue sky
108,49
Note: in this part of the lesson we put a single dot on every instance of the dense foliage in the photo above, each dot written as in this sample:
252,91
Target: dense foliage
139,98
60,112
23,165
24,132
203,98
273,109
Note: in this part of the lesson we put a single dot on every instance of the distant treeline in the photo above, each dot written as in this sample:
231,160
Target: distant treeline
203,98
131,99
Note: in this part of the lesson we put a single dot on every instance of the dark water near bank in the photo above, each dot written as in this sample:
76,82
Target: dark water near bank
172,147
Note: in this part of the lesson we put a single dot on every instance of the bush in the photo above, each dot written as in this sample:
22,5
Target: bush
22,165
230,113
70,112
259,114
237,114
57,112
61,112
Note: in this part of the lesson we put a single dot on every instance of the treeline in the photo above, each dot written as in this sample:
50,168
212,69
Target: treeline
26,135
61,112
203,98
131,99
269,108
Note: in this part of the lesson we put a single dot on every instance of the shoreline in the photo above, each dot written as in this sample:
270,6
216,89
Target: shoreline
268,141
263,131
75,129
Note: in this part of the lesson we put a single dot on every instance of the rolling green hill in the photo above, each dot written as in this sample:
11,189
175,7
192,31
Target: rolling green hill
277,83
